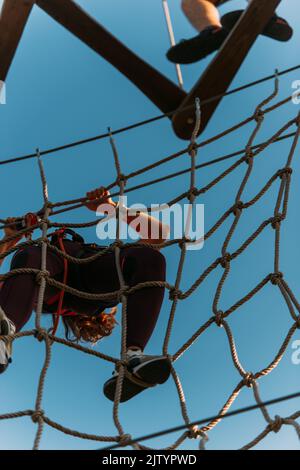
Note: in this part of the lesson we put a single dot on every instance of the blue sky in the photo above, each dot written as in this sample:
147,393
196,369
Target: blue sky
59,91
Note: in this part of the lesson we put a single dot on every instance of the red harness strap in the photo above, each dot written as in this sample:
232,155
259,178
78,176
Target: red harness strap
60,234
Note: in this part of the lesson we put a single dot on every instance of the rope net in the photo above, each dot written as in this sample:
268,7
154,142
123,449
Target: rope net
224,260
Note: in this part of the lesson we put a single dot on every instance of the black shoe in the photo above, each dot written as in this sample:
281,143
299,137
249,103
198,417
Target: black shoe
142,372
191,50
277,28
6,328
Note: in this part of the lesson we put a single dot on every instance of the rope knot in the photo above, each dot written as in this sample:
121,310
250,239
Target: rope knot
276,424
117,244
169,357
219,317
276,220
183,241
193,192
192,148
238,207
259,115
40,334
42,275
124,439
121,179
193,432
119,364
249,156
285,171
249,379
123,291
225,260
37,416
174,293
276,277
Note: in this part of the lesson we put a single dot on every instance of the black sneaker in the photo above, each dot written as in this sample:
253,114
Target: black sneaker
6,328
191,50
142,372
277,28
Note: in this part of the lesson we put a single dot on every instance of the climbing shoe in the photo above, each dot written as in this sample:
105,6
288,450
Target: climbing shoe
6,328
192,50
277,28
141,372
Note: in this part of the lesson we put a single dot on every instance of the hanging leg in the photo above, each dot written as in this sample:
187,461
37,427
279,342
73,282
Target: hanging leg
140,264
277,28
217,78
204,16
18,293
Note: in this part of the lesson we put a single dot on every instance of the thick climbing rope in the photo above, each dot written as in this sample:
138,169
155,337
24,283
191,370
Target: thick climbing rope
220,316
172,38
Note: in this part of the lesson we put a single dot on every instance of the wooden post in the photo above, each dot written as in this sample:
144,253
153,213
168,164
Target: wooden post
220,73
160,90
13,18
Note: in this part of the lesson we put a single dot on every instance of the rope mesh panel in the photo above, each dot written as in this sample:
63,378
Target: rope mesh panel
219,317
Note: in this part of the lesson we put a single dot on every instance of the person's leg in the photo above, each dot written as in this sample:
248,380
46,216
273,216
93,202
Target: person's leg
202,13
139,264
143,264
18,293
277,28
18,296
204,16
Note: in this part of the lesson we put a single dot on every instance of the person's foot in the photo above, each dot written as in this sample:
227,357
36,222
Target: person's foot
142,372
6,328
192,50
277,28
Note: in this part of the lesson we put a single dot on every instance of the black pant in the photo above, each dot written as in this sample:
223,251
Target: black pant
139,264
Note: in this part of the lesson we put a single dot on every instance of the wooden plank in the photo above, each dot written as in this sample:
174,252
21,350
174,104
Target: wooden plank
220,73
160,90
13,18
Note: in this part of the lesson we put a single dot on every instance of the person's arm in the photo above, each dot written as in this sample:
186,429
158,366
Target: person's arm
8,231
150,229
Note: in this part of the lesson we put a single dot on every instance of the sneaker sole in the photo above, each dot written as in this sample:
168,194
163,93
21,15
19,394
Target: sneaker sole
4,328
129,389
279,32
189,53
4,331
154,372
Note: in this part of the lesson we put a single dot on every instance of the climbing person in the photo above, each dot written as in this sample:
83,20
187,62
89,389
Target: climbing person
86,320
213,30
6,243
6,325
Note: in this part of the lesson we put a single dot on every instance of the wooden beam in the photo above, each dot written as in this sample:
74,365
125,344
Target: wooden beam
220,73
13,18
160,90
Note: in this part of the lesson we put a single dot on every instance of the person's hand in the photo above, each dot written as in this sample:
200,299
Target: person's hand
12,230
98,194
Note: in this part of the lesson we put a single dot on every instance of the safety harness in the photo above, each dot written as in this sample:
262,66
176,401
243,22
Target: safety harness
58,239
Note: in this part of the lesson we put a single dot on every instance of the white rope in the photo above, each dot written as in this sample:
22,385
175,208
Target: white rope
172,38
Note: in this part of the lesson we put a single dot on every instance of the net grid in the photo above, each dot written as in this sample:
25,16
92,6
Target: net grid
219,317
